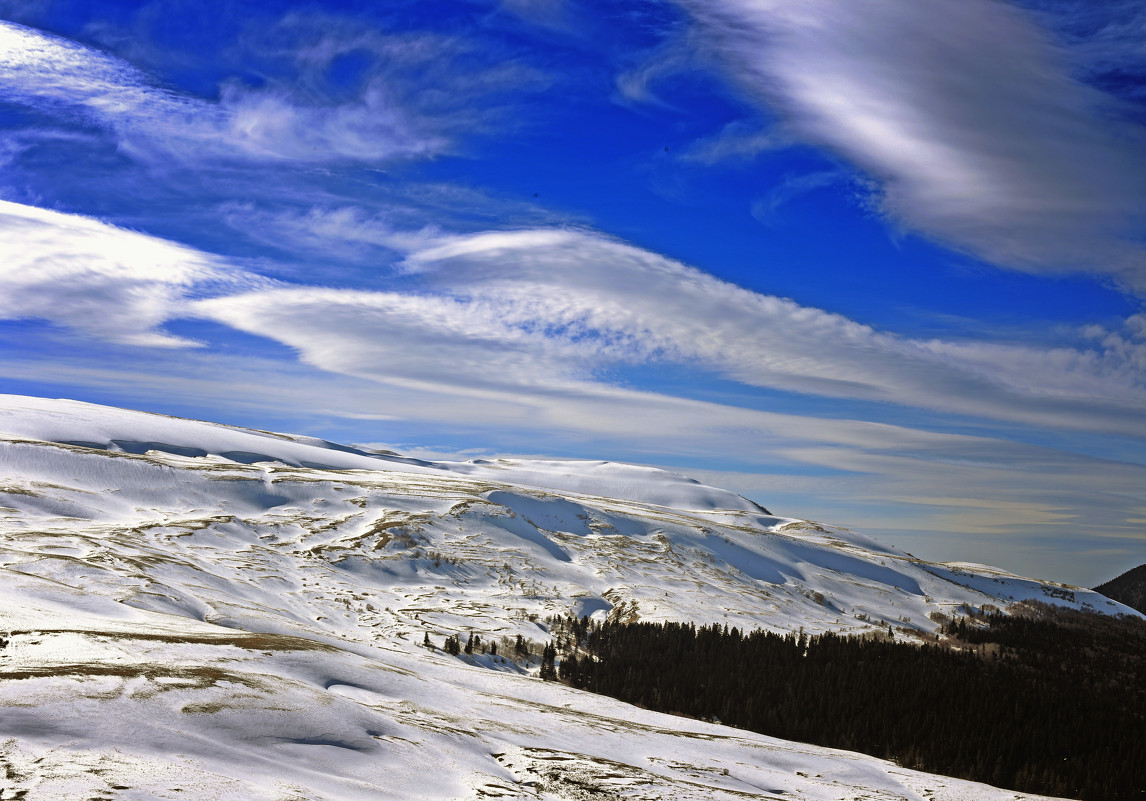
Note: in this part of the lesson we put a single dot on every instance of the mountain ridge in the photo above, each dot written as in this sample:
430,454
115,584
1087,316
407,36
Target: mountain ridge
149,596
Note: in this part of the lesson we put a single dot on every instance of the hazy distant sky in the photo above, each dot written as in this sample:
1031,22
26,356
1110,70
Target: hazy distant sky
880,264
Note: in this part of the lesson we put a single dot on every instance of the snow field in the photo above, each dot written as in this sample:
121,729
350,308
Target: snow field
183,624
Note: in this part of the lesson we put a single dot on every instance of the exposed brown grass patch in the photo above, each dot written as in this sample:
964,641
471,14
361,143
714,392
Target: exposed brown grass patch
251,641
197,677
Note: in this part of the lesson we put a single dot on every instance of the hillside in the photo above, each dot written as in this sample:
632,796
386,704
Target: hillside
194,610
1129,588
1042,699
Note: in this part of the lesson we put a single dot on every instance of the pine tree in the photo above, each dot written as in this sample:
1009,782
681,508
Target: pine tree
568,670
548,669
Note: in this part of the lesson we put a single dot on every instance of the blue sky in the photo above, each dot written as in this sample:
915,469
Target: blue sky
881,264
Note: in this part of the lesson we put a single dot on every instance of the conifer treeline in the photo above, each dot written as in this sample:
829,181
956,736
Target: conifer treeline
1052,707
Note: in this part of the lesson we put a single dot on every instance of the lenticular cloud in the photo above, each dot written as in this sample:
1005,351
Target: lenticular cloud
549,310
103,281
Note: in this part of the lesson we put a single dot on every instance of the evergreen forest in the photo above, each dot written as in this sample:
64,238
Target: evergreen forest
1044,701
1129,588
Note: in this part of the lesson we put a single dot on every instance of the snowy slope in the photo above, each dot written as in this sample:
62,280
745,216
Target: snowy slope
237,614
120,430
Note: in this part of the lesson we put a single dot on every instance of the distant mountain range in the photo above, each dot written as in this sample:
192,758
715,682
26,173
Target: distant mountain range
195,611
1129,588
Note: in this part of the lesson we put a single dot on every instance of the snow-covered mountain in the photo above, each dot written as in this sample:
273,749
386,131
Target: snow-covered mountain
198,611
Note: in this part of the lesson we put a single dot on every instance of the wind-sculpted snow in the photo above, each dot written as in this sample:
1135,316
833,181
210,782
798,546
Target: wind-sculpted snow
181,624
123,431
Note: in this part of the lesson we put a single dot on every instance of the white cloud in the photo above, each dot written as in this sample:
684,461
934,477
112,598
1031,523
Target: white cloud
153,123
374,127
606,301
963,111
454,345
541,313
536,314
336,231
736,141
100,280
676,55
766,209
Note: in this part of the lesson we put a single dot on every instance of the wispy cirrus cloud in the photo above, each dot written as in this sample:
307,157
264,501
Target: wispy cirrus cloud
376,118
67,79
338,231
966,114
766,209
737,141
1105,40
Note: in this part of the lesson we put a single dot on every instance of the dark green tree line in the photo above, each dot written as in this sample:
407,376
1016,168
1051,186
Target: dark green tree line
1054,704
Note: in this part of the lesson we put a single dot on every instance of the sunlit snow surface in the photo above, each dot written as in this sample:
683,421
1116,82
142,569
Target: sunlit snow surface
201,612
